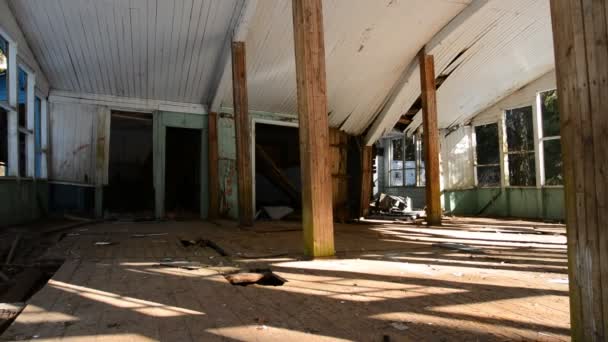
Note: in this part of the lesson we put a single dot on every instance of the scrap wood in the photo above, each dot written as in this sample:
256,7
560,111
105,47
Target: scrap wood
12,250
184,264
459,247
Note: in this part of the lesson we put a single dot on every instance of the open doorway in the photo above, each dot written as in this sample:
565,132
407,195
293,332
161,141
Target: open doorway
277,171
183,173
130,189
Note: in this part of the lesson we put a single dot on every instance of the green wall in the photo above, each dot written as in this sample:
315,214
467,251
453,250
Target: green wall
544,203
22,201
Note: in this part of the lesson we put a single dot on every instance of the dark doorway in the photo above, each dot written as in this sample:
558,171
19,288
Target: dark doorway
277,168
183,173
130,189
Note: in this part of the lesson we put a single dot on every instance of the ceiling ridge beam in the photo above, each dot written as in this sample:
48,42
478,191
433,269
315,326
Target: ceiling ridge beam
392,108
239,34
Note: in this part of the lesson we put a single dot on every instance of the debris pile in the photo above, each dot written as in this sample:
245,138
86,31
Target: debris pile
393,205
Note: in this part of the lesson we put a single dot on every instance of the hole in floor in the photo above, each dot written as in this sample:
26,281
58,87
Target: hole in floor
19,283
264,277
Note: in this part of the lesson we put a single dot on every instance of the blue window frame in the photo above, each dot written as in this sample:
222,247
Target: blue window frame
37,137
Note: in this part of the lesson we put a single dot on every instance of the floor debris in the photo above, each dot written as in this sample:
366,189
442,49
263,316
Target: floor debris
399,326
104,243
183,264
258,276
148,235
459,247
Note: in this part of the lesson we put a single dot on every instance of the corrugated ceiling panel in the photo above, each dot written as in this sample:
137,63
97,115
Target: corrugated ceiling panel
367,46
149,49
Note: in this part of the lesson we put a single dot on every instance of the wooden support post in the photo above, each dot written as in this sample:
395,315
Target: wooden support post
317,216
241,123
214,183
366,180
431,138
580,38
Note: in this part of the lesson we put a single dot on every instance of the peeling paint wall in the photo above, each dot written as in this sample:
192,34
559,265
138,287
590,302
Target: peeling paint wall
227,166
22,201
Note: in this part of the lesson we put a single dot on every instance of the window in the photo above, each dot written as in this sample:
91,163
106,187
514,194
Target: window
3,112
551,140
3,143
405,162
38,137
487,155
520,142
3,70
22,96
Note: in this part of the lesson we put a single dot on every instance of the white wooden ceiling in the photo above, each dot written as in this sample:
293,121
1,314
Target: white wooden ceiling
489,51
149,49
367,45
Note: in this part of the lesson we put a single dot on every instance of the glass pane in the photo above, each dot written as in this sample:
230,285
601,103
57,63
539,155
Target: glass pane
3,143
410,149
553,162
488,175
422,175
22,97
22,153
550,113
37,136
396,178
487,144
397,149
520,131
410,177
396,165
522,171
3,69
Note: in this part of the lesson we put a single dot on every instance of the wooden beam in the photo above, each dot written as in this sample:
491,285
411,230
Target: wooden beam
270,169
431,138
317,216
366,180
241,123
580,35
214,183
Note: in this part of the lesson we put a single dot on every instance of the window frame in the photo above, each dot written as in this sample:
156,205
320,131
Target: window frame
541,141
419,160
534,151
10,106
29,129
474,148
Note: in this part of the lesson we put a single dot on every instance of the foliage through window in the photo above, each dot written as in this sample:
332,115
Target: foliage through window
487,155
405,164
520,142
551,139
3,69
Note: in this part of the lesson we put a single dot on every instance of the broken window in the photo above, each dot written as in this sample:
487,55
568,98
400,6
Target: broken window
405,162
520,142
551,139
396,168
487,155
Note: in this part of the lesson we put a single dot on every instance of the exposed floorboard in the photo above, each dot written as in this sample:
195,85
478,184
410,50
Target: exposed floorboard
387,280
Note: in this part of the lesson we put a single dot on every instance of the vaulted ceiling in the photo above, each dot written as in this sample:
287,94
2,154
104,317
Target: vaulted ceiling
177,50
148,49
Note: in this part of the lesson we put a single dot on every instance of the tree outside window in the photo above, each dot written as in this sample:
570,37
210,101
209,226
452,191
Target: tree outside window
551,139
520,142
487,155
405,162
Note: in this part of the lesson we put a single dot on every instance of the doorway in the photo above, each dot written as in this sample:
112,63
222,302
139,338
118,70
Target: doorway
277,171
183,173
130,188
